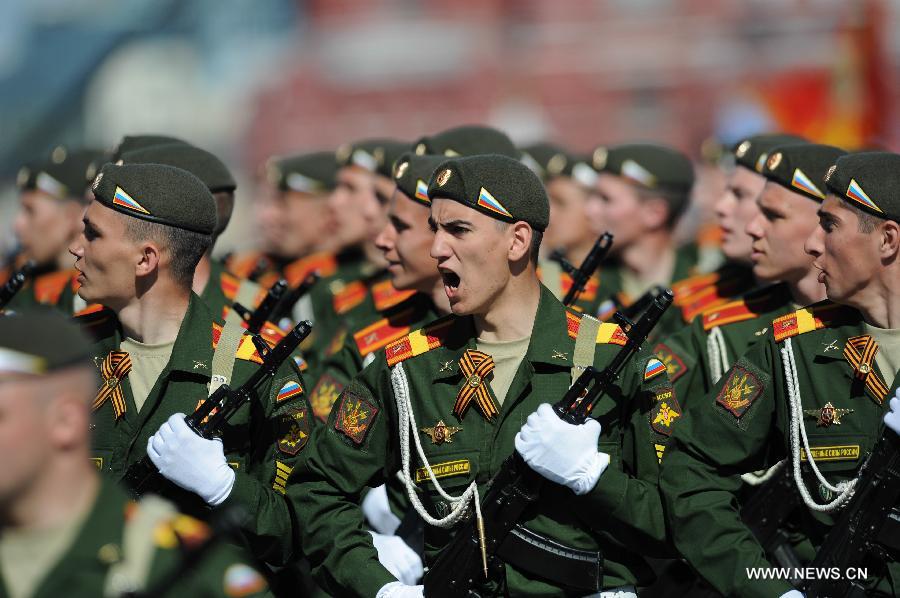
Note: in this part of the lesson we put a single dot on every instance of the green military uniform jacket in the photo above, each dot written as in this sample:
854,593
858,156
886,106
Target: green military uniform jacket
359,448
84,567
367,336
689,353
747,427
263,441
54,288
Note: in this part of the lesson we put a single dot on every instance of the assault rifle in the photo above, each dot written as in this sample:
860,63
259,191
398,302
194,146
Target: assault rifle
207,421
15,283
516,486
292,296
266,308
868,527
583,273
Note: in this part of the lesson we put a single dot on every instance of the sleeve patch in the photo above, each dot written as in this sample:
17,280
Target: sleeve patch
290,389
355,416
282,473
653,369
665,412
739,391
242,580
293,431
324,395
674,364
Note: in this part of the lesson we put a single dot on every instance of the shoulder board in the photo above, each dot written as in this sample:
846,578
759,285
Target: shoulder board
242,265
609,333
323,263
590,288
686,287
727,286
48,287
419,342
349,297
386,296
808,319
246,349
384,331
90,309
97,323
747,307
229,283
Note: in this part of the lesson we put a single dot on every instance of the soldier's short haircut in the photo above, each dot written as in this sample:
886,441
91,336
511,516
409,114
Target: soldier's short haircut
185,247
866,222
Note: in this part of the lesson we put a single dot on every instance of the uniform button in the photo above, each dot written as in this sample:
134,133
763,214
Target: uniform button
109,554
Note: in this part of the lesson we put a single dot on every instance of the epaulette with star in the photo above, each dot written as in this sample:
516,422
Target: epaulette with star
379,334
815,317
386,296
349,297
246,349
608,334
749,306
325,264
419,341
694,298
48,287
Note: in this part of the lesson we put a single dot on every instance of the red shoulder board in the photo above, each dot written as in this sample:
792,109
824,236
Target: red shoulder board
386,296
323,263
229,284
609,333
349,297
418,342
806,320
246,349
739,310
243,265
684,288
378,335
48,287
590,288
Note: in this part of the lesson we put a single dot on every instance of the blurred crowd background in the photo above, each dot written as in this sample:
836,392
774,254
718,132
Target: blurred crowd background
248,80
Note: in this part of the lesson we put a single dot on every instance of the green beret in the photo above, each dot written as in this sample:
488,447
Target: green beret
375,155
61,174
499,186
801,167
38,341
412,174
469,140
130,143
94,166
752,152
306,173
649,165
547,160
158,193
200,163
869,181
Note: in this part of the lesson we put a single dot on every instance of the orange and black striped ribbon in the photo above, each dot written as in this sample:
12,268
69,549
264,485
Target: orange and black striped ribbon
475,366
860,351
115,367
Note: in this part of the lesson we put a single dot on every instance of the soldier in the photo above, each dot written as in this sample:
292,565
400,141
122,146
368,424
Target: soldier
467,140
488,213
812,392
698,355
567,179
158,348
51,195
66,531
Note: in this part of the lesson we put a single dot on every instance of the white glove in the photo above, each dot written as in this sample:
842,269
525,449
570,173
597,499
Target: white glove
194,463
892,417
562,452
378,512
395,589
398,558
793,594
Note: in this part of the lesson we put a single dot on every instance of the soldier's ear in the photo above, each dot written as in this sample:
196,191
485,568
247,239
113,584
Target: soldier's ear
890,240
148,259
520,240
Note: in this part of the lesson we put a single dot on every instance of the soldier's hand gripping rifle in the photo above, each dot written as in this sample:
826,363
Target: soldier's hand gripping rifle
266,308
476,548
583,273
868,527
207,421
15,283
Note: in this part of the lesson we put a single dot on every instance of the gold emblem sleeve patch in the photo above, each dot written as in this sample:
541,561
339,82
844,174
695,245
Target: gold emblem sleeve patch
294,431
739,391
355,416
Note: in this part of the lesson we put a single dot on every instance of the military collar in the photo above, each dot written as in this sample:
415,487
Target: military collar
550,342
214,284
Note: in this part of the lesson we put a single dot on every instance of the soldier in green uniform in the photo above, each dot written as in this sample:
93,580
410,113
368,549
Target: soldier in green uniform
64,531
161,352
568,179
52,199
459,391
812,392
217,287
698,356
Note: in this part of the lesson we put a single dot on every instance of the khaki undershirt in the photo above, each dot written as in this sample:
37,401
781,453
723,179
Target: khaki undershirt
27,556
507,357
888,356
147,363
